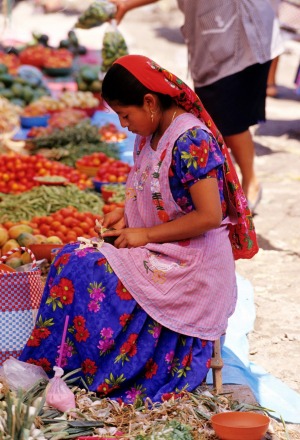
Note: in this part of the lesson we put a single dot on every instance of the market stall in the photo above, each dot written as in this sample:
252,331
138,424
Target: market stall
57,137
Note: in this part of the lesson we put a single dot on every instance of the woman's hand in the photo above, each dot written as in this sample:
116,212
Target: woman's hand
113,219
129,237
121,9
124,6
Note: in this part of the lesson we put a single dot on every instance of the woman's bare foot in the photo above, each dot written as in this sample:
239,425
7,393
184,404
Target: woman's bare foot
272,91
254,196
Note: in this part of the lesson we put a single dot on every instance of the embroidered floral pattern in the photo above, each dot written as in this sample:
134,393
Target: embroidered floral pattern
156,193
158,276
140,178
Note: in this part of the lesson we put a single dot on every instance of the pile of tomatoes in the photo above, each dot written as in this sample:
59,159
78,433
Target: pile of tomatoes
110,133
113,195
115,171
11,61
41,56
66,118
59,58
110,170
68,224
17,172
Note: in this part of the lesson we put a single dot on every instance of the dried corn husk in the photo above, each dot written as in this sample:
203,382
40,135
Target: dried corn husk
187,417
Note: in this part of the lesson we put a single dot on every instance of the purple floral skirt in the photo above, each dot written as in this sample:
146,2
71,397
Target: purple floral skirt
122,352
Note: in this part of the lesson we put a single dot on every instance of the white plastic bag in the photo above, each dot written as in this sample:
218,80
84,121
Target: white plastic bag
22,375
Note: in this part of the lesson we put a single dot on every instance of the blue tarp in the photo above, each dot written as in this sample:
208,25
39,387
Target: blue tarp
269,391
126,146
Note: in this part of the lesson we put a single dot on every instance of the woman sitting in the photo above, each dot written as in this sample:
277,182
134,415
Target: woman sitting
144,313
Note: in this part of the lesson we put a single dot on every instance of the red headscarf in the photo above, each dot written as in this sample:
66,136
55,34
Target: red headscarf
159,80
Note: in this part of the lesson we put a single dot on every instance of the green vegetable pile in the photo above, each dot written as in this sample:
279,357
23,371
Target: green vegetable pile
87,79
72,44
45,200
18,90
71,143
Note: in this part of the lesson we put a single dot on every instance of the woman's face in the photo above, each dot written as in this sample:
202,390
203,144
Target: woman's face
135,119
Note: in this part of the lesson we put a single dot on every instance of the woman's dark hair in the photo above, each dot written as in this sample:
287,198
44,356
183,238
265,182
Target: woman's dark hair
119,85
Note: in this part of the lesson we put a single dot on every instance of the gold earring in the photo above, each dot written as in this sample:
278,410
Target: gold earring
152,116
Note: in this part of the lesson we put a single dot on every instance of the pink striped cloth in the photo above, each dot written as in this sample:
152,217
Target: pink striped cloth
188,287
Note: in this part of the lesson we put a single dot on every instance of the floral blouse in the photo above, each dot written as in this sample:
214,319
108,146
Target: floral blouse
196,156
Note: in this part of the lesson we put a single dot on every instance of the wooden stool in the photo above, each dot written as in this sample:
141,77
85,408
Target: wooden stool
217,365
241,393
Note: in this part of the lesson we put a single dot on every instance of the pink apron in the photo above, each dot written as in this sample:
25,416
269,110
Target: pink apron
187,286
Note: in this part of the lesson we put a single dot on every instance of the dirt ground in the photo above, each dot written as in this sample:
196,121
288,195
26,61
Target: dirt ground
275,271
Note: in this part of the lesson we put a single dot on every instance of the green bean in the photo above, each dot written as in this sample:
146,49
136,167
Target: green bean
45,200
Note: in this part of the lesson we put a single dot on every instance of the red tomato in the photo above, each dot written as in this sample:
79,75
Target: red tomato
55,225
78,231
50,233
69,222
92,232
84,226
71,236
67,211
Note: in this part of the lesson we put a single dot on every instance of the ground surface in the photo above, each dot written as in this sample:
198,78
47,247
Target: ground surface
275,271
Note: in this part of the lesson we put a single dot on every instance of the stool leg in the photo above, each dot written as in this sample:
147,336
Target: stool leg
217,365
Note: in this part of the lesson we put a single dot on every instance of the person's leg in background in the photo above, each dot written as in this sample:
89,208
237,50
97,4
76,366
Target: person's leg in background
243,150
236,103
272,90
271,83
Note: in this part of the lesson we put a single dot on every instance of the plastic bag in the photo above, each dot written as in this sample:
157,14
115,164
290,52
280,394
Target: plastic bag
22,375
113,47
96,14
58,394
